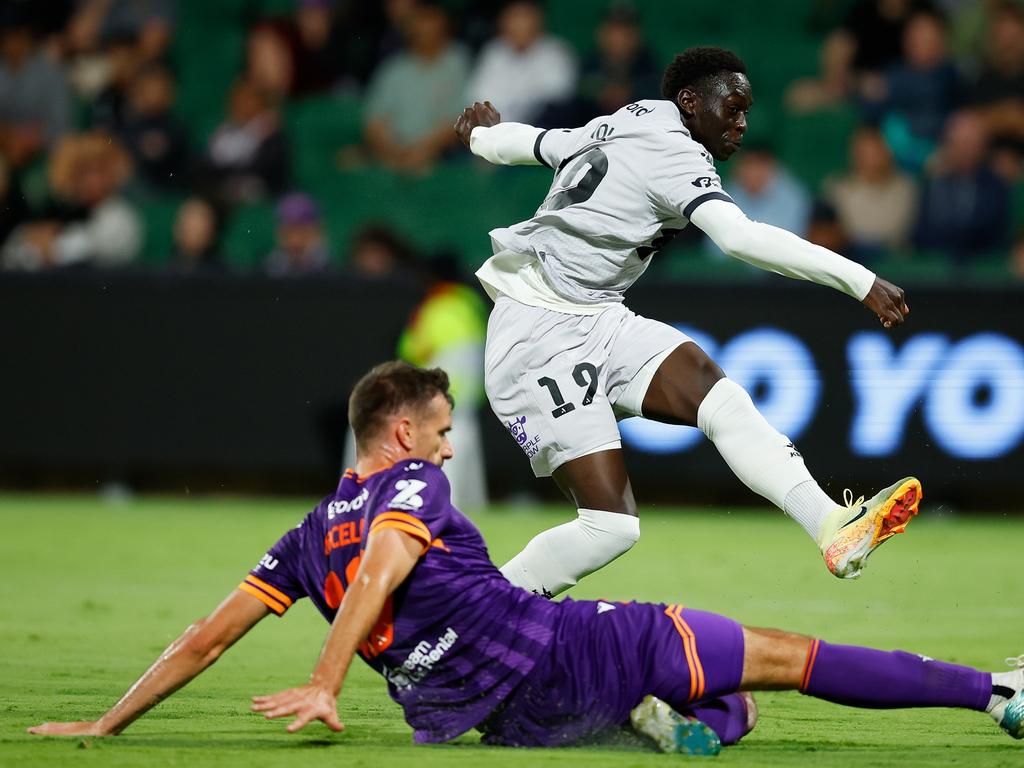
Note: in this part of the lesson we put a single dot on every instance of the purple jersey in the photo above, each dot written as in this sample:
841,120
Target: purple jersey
456,638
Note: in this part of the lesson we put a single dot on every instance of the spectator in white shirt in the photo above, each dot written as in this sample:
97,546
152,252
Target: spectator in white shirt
523,69
91,224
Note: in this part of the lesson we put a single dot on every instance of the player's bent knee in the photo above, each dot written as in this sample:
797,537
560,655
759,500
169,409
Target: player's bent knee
611,533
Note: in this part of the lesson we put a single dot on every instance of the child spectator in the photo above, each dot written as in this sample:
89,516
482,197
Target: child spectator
196,233
301,245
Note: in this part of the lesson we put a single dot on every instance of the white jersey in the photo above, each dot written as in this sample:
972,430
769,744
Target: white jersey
625,185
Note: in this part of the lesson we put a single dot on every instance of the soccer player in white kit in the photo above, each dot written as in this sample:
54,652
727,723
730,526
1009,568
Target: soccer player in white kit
565,358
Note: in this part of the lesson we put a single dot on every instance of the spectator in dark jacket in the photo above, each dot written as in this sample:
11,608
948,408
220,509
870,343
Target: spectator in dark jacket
621,70
913,98
35,104
247,157
998,90
965,208
152,134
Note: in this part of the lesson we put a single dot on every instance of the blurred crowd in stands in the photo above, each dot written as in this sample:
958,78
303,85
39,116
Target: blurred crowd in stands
91,128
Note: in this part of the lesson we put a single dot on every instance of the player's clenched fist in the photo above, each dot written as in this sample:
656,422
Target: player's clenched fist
888,302
479,114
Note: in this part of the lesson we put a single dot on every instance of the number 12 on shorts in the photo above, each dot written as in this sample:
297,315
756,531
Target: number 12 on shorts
584,374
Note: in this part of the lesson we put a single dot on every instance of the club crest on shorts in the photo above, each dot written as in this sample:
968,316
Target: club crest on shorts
517,428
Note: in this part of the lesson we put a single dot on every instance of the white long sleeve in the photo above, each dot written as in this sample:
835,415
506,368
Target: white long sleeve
779,251
506,143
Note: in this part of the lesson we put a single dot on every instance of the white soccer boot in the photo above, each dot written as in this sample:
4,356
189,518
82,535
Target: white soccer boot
1008,694
671,731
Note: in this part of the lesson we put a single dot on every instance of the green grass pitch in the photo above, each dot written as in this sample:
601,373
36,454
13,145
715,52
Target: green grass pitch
91,592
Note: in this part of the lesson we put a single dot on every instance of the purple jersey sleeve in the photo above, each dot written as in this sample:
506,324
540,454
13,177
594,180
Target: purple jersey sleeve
415,499
275,580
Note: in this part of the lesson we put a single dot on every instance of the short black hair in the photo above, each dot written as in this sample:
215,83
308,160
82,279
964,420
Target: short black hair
694,66
386,390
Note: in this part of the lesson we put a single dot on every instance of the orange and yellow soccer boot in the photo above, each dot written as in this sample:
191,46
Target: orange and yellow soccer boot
851,533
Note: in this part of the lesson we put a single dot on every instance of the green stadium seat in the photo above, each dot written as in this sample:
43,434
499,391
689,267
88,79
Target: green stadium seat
207,55
276,7
453,208
1017,210
696,263
815,145
249,236
922,267
158,219
317,128
575,22
990,269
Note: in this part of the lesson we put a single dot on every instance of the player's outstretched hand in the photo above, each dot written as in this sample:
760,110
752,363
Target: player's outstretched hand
888,302
307,703
479,114
82,728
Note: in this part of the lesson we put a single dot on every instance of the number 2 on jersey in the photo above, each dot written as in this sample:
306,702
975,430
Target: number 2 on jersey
584,374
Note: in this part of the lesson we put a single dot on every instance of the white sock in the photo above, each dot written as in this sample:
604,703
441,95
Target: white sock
809,506
556,559
760,456
1004,687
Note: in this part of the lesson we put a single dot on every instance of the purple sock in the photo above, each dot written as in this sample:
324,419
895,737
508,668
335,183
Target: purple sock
864,677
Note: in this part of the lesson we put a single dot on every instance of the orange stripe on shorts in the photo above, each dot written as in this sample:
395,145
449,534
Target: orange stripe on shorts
675,612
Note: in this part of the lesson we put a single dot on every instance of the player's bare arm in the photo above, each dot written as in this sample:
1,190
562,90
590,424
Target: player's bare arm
197,648
390,557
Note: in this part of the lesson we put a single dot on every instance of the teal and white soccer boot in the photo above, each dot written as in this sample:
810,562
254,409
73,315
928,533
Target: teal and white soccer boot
852,532
671,731
1008,698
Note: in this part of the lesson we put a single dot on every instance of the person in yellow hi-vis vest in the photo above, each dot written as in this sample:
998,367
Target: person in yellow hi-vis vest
447,330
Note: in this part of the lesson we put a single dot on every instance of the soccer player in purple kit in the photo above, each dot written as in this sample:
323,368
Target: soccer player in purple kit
406,582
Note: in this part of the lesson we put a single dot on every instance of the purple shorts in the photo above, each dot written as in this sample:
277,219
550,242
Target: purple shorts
605,658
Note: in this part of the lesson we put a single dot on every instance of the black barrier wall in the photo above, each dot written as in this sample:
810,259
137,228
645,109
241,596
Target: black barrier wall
241,382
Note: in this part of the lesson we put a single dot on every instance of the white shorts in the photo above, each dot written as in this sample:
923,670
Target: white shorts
559,382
